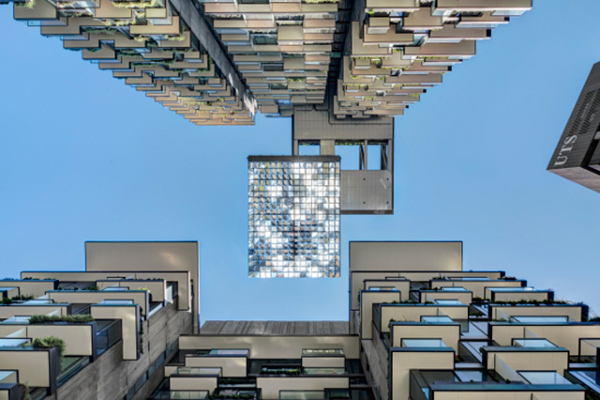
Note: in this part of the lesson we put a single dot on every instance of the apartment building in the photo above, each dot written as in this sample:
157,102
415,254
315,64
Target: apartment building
220,62
102,333
420,327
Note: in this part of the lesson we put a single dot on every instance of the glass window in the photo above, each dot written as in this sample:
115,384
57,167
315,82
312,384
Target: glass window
448,302
436,320
469,376
230,352
539,320
423,343
544,378
294,218
536,343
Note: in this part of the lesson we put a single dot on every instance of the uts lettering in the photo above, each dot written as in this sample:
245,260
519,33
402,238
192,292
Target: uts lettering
564,151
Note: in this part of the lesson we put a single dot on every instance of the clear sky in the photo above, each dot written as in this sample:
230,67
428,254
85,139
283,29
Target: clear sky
83,157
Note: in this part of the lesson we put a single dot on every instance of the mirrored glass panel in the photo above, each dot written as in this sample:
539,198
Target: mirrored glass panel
294,217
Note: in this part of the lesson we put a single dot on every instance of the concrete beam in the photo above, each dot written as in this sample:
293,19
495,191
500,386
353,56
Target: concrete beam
199,27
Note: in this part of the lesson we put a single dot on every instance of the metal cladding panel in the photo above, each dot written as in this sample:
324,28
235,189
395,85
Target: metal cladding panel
577,154
322,125
363,191
143,256
367,192
407,256
583,176
147,256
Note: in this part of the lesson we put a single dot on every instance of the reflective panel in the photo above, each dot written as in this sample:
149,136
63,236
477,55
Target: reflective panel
433,319
453,289
294,217
423,343
229,352
544,378
542,319
537,343
448,302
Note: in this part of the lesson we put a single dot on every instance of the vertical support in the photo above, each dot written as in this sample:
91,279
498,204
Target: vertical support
327,147
362,157
384,156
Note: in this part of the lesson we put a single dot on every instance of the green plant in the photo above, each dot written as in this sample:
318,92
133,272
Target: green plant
591,395
26,395
23,297
136,4
530,302
176,38
91,287
15,298
279,371
49,342
104,30
26,4
73,319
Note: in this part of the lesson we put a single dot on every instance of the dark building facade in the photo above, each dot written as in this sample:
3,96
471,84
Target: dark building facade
577,155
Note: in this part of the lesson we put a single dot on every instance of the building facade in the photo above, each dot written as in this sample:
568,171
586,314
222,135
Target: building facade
102,333
342,69
221,62
420,327
577,155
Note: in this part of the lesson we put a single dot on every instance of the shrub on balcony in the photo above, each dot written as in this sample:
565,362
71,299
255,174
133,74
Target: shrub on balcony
74,319
49,342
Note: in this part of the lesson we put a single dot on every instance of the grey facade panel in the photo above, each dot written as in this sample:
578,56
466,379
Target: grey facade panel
577,155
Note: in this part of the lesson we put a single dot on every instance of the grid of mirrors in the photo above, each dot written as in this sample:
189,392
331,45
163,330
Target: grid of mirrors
294,217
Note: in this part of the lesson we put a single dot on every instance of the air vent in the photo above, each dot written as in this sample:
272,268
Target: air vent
582,110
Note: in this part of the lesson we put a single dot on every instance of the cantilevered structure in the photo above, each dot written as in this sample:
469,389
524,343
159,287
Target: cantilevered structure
102,333
577,155
219,62
341,68
420,328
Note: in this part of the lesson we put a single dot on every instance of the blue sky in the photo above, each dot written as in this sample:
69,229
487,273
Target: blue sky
83,157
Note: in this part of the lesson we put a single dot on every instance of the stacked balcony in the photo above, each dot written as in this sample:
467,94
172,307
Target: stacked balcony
55,325
281,48
444,333
266,360
150,47
401,48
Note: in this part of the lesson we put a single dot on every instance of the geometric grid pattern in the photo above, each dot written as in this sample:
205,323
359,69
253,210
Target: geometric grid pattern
294,216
